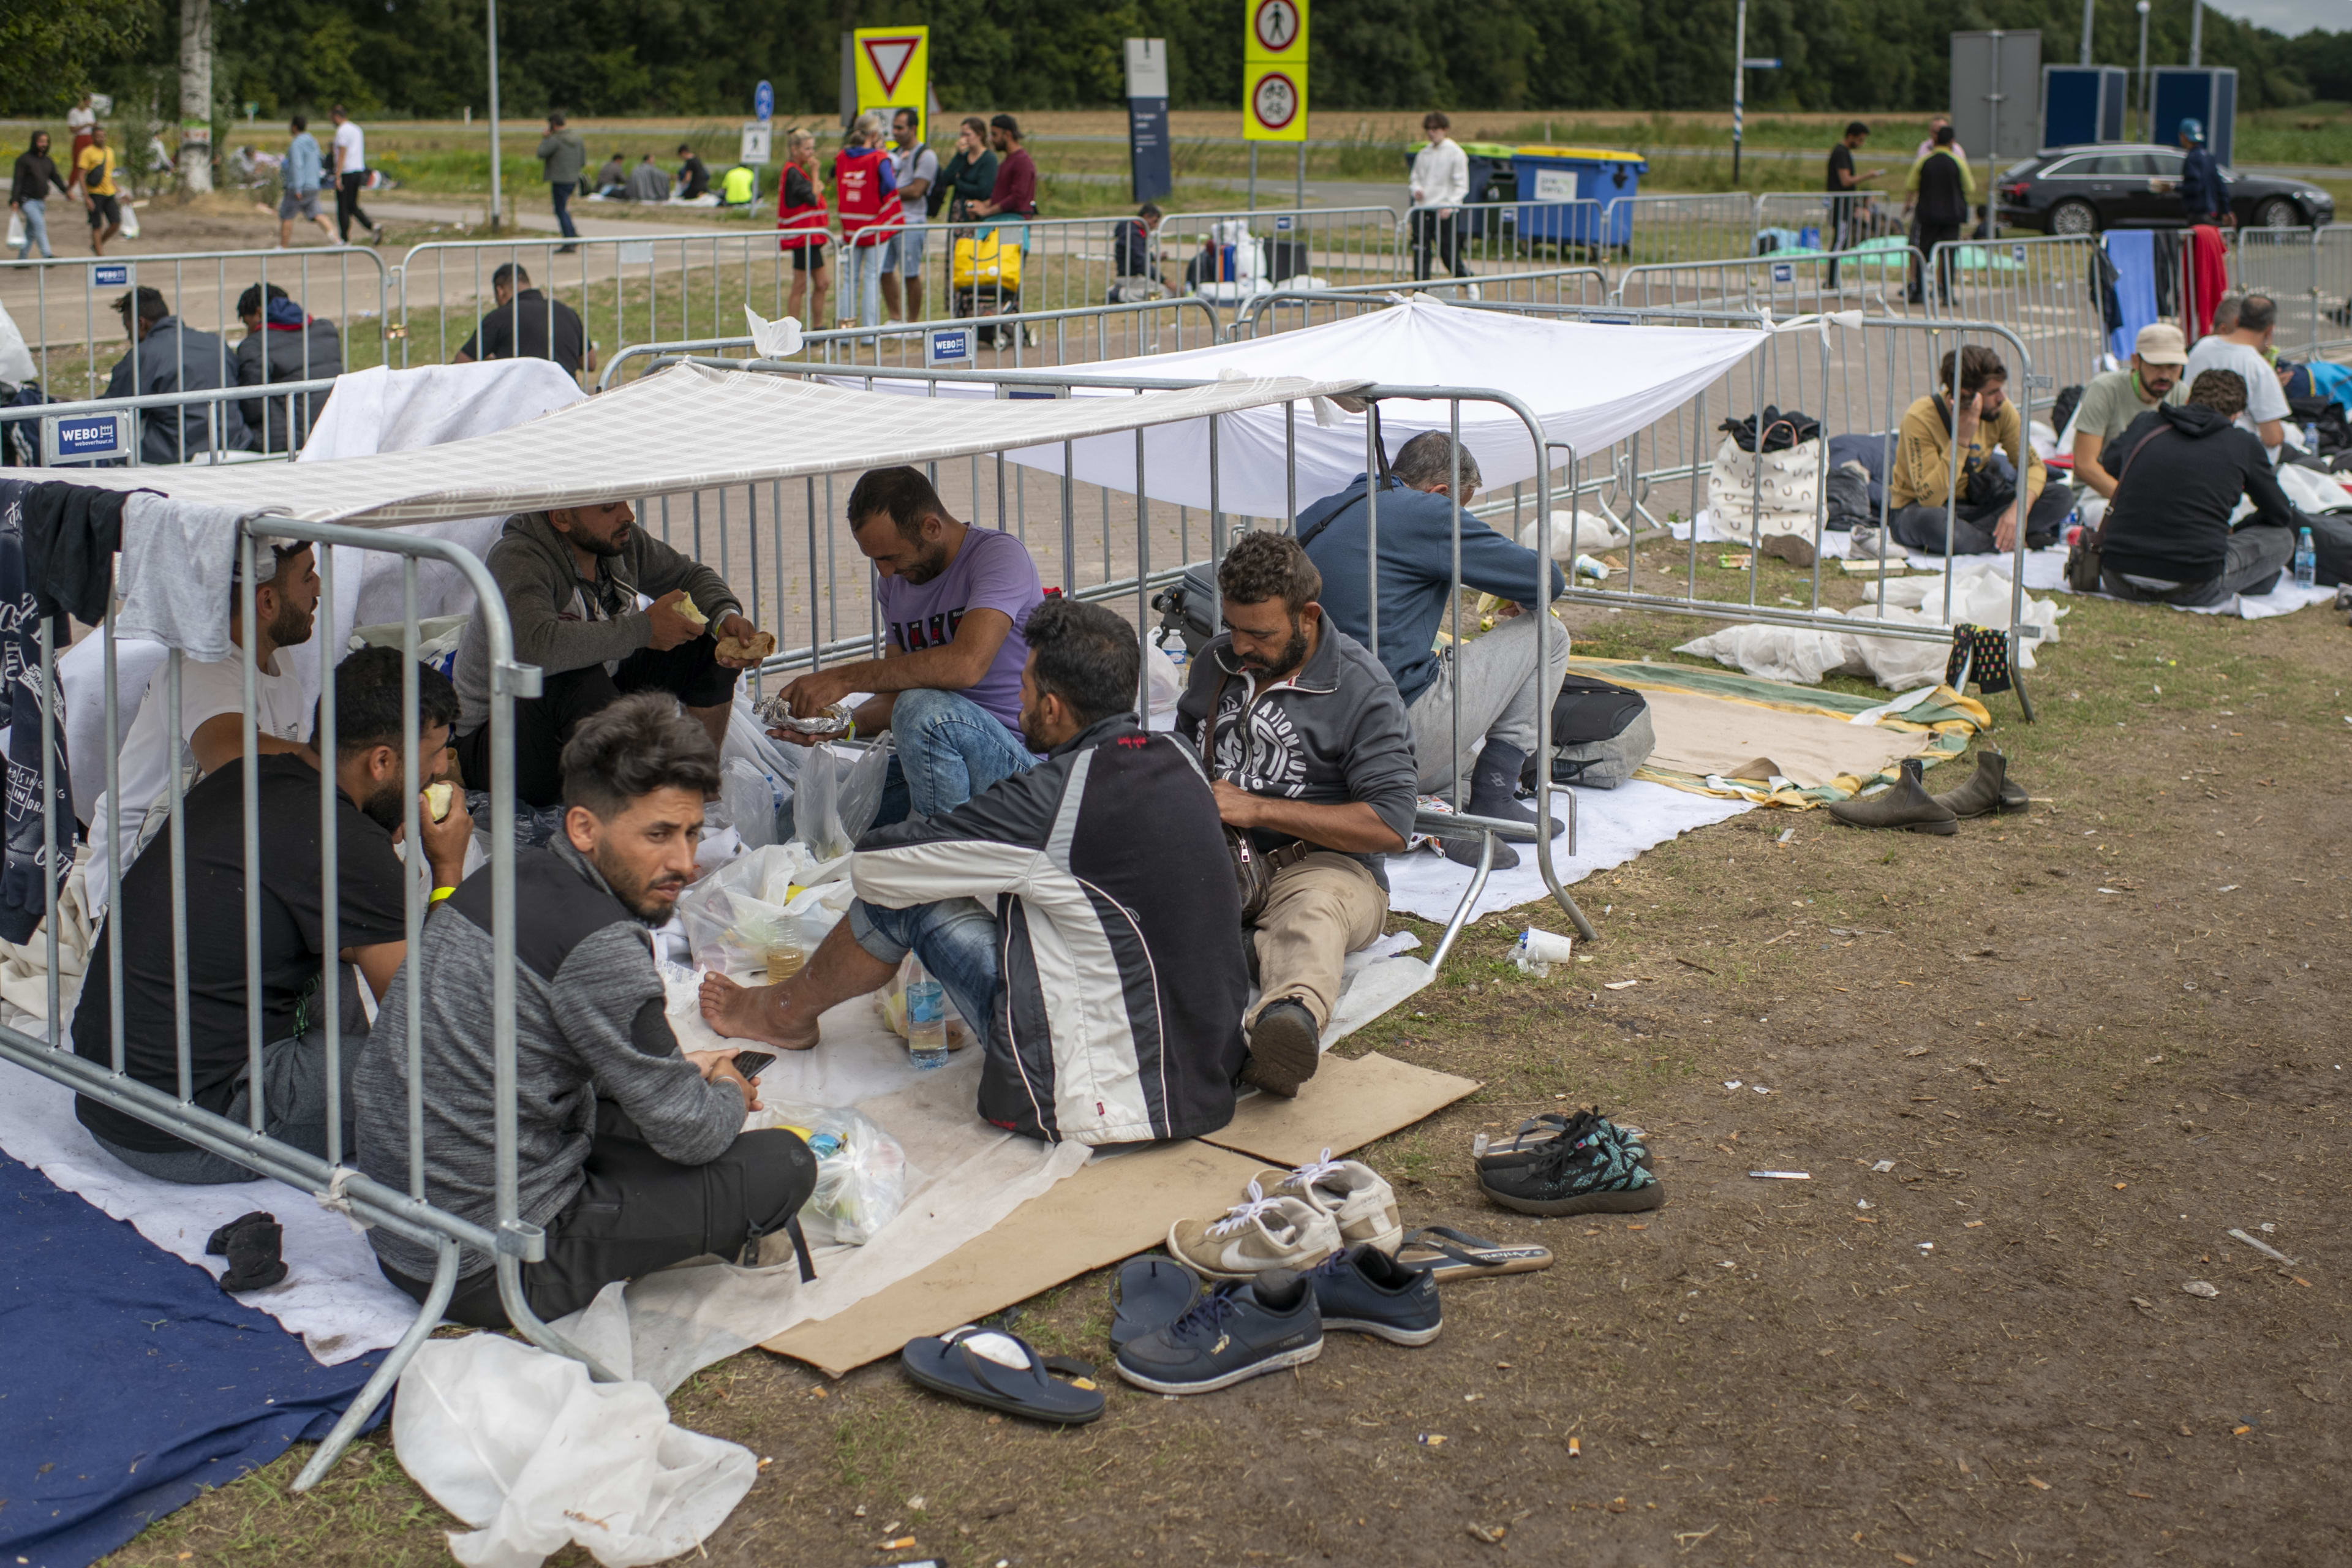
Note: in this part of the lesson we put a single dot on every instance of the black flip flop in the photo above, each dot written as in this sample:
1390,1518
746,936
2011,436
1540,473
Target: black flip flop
1458,1255
1149,1294
950,1365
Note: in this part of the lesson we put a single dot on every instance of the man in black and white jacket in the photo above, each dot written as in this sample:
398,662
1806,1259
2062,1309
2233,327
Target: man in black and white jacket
1107,982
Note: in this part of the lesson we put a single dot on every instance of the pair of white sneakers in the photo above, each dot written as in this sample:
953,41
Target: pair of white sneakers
1292,1219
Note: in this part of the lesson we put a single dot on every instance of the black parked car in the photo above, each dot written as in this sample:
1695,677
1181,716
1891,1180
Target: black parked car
2082,190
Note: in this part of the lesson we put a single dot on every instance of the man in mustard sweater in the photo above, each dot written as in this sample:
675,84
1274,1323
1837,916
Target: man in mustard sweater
1999,480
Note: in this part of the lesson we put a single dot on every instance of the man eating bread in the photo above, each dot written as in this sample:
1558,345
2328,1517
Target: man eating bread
571,578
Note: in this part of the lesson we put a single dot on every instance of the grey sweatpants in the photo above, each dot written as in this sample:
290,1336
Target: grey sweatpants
2251,565
1500,698
294,1111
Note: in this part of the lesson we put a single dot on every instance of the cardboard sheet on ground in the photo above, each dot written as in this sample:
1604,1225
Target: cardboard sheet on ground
1700,734
1346,1105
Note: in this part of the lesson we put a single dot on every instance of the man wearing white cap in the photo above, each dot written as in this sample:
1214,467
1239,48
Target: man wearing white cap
2112,401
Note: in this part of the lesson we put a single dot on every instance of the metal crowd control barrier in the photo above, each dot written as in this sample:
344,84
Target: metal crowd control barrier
326,1176
1862,214
1856,373
1456,823
1340,245
1287,310
66,307
1074,337
1784,285
1684,228
1476,234
214,424
2309,272
2045,291
625,289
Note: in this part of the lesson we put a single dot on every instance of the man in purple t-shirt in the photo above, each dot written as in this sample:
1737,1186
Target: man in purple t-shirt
954,599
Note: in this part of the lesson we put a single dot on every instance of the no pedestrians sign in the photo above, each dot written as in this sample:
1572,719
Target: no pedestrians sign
1274,73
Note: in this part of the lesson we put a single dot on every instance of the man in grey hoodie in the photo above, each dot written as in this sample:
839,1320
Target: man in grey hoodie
571,577
630,1151
562,157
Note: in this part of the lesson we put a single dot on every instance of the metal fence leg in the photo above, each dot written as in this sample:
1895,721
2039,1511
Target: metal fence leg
428,1317
1469,896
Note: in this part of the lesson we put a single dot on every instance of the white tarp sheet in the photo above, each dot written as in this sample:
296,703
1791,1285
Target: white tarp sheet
687,428
1589,384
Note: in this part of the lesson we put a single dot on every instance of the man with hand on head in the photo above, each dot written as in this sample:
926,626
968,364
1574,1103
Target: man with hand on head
1107,984
632,1152
954,599
1310,754
571,577
299,978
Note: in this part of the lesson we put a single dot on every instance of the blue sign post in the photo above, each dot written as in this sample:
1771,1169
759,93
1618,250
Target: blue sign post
763,103
1149,174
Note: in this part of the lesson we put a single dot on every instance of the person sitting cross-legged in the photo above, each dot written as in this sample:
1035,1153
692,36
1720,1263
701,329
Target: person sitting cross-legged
2167,534
1106,984
299,979
954,601
1500,689
1311,752
632,1152
2001,482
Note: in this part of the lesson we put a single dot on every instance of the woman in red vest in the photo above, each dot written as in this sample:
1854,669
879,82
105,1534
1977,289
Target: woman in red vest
866,195
800,217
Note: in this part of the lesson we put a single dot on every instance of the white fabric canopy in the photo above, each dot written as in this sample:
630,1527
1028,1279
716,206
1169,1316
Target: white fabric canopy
688,428
1589,384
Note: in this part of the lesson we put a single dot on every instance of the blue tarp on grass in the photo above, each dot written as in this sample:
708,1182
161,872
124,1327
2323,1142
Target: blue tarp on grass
129,1382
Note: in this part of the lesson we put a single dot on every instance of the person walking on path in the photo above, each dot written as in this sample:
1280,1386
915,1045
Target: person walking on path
1942,191
298,179
36,176
350,176
94,177
81,119
2204,194
1844,184
563,158
1440,184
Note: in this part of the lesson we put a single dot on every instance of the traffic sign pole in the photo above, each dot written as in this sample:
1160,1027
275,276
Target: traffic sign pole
1739,86
1274,83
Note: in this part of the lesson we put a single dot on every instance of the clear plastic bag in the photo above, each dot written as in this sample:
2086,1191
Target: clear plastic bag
836,797
762,916
749,798
890,1002
860,796
861,1171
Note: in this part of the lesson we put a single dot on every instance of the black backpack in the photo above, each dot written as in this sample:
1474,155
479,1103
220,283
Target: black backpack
1599,733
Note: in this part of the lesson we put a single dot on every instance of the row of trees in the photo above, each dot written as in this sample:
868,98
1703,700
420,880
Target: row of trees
702,56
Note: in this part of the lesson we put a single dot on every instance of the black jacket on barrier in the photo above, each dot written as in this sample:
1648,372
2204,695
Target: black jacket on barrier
1118,1014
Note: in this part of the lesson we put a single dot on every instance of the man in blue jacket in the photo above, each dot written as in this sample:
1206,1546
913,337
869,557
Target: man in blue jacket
2204,194
1500,688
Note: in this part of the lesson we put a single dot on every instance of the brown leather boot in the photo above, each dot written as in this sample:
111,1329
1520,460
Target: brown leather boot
1987,791
1904,804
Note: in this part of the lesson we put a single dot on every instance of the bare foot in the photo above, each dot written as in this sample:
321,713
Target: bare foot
762,1013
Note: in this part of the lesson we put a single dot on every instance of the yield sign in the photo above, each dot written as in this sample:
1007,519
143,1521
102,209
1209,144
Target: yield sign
889,57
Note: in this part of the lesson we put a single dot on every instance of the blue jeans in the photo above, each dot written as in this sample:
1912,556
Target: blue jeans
950,749
866,265
37,230
955,938
560,191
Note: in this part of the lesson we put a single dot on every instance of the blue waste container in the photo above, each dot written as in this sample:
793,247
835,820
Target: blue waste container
1577,173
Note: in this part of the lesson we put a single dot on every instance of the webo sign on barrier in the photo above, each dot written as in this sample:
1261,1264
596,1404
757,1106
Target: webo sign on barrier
87,438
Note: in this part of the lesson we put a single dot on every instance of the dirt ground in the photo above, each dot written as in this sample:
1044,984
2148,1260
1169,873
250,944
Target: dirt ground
2091,1040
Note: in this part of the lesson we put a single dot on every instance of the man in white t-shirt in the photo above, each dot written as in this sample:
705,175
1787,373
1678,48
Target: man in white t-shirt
211,730
2246,348
350,176
917,168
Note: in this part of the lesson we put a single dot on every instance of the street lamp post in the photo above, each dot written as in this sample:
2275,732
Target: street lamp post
2086,30
1739,86
2146,120
497,207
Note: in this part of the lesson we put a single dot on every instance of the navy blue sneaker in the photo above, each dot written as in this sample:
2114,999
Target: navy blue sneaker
1596,1176
1233,1333
1364,1290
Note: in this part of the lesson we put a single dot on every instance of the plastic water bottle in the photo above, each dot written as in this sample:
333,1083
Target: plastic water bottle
2307,560
927,1019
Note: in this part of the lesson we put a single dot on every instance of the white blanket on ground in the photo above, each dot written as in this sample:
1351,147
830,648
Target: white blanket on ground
1613,827
2045,572
963,1176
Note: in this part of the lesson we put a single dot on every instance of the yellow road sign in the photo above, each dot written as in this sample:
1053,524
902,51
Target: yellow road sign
894,66
1277,33
1274,102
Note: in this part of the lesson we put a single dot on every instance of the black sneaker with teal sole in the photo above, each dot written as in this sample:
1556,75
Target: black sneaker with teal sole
1537,1136
1236,1332
1363,1290
1594,1177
